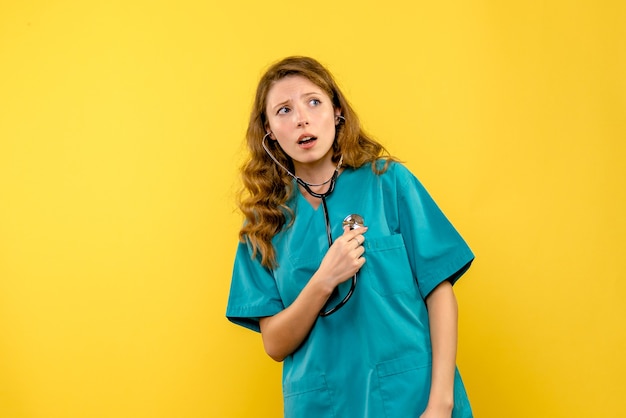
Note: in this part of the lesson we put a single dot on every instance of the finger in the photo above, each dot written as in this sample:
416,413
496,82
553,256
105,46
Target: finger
359,251
351,233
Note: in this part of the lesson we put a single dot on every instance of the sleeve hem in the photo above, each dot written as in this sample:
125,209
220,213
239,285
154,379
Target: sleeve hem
451,271
248,317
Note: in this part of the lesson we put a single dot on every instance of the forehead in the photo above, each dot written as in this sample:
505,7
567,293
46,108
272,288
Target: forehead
291,88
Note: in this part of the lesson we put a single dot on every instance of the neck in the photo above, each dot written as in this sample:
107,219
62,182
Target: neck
323,188
320,175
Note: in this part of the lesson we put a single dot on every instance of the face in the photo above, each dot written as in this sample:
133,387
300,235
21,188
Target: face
302,118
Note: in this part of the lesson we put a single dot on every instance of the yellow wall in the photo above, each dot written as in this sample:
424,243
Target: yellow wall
121,126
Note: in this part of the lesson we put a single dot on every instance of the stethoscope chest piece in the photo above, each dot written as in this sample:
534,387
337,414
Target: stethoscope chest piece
354,221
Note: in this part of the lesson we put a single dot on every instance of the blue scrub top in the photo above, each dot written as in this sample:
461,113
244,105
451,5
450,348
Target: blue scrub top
372,358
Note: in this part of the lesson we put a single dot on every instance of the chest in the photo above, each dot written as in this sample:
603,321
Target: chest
301,247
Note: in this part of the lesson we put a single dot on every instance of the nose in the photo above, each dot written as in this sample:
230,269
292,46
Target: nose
301,117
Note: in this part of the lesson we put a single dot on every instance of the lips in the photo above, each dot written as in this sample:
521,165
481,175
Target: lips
305,139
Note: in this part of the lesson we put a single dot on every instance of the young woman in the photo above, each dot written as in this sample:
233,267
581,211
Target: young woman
360,308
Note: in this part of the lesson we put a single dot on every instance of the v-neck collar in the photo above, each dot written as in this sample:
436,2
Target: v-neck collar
301,195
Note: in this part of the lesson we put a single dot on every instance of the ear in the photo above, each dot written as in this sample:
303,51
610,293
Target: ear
337,113
269,131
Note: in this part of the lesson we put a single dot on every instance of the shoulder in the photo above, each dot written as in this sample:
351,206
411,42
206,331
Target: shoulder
394,171
386,172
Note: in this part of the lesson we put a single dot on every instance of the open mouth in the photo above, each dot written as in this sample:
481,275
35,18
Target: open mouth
306,140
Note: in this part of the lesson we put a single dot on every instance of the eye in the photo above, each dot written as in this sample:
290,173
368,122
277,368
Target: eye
283,110
315,102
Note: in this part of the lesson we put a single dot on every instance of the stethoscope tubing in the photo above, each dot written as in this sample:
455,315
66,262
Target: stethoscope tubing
330,242
329,234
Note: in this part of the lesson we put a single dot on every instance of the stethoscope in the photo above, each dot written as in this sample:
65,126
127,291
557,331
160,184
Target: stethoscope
353,221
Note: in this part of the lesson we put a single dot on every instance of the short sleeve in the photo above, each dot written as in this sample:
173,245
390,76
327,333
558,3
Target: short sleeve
437,252
253,291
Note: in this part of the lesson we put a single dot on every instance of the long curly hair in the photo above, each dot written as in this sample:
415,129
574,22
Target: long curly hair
266,186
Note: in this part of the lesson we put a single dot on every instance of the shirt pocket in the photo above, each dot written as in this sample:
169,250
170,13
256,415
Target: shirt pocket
387,266
308,397
405,385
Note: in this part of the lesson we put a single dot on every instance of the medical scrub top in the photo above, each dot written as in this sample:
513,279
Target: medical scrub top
371,358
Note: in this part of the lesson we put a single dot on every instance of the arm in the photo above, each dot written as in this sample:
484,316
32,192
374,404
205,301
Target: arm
443,320
284,332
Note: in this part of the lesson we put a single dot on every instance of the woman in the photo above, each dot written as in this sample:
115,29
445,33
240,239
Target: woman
363,316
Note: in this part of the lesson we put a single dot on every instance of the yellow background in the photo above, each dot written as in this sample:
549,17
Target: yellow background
121,128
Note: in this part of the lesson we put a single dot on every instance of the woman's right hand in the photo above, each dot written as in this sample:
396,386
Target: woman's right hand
344,258
284,332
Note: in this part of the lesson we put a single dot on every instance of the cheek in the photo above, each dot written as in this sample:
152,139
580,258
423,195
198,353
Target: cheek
274,123
278,133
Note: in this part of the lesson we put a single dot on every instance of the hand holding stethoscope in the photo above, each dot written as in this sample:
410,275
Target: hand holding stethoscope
344,258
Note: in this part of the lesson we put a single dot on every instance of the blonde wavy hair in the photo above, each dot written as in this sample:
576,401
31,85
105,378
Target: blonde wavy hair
266,186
